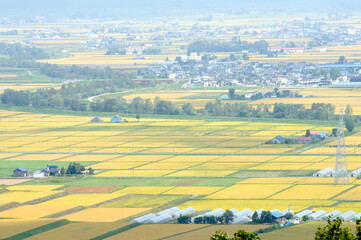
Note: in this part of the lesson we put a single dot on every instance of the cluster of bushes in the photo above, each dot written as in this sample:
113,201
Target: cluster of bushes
265,217
75,169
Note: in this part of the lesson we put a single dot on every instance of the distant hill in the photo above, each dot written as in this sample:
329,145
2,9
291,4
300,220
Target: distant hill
157,7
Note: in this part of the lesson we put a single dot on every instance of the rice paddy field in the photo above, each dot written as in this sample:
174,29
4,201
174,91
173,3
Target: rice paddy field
148,166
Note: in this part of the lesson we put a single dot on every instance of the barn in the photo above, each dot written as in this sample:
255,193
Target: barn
97,120
20,172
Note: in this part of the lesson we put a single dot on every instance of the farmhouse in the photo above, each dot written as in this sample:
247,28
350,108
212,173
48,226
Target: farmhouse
278,140
52,169
116,119
40,173
303,140
319,135
97,120
20,172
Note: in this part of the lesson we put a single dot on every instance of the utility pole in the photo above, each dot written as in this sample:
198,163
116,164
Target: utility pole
341,174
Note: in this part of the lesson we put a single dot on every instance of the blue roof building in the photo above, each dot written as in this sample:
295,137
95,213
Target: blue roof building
277,214
116,119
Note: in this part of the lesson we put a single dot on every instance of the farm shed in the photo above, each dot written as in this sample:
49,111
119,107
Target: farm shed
339,171
276,214
356,217
240,220
144,219
355,173
323,173
317,215
168,211
347,215
216,213
245,212
288,211
20,172
303,213
161,219
40,173
234,211
186,211
116,119
260,211
97,120
332,214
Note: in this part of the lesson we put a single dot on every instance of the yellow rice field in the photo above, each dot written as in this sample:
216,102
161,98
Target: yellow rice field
248,191
311,192
104,214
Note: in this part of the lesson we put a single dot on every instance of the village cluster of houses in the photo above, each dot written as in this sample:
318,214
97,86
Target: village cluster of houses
50,170
301,140
224,73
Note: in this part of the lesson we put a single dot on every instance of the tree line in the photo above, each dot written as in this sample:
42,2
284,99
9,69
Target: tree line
26,57
72,97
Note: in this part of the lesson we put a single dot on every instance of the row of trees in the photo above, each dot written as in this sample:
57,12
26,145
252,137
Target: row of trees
25,57
226,218
232,46
71,96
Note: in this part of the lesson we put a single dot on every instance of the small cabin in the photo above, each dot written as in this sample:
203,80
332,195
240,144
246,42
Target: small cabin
116,119
97,120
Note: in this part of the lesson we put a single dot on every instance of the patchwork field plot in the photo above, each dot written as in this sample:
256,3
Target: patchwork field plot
310,192
88,230
34,211
11,227
151,232
248,191
104,214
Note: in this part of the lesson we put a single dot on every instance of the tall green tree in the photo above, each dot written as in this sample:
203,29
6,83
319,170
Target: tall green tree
350,124
335,231
231,92
341,60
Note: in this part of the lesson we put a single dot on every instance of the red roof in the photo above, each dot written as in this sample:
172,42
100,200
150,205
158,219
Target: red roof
304,139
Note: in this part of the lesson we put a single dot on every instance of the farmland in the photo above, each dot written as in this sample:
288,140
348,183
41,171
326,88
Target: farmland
214,109
141,172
